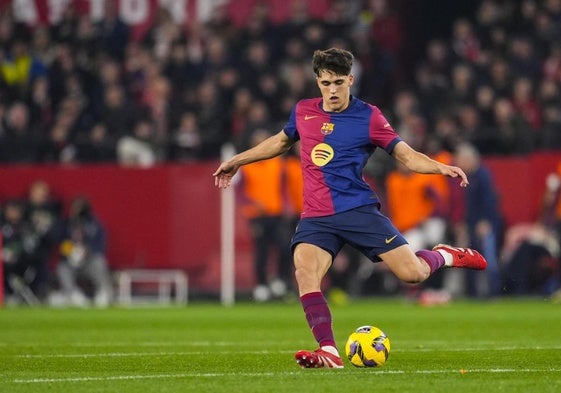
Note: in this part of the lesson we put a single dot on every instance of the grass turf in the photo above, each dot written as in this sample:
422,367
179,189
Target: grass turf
501,346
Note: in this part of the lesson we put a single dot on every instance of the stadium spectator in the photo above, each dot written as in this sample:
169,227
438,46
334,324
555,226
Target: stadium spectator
532,251
258,117
211,116
531,264
550,216
241,104
523,59
185,141
43,212
18,248
19,68
511,131
59,147
118,113
18,142
140,148
82,270
465,42
112,31
40,105
163,33
462,87
524,102
96,146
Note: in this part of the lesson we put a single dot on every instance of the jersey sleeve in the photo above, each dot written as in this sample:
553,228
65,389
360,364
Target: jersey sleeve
290,127
381,132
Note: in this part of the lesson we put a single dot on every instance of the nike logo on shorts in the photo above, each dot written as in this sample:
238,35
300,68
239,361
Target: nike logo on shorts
388,241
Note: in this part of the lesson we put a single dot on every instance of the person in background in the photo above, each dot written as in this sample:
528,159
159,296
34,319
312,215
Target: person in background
416,205
43,213
185,142
19,244
82,257
96,146
139,149
482,219
263,204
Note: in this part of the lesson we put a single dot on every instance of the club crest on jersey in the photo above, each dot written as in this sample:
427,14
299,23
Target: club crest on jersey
327,128
321,154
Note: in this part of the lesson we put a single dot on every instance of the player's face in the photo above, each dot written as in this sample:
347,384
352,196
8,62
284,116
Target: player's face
335,90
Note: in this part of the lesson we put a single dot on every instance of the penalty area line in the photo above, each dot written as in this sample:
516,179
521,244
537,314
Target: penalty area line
272,374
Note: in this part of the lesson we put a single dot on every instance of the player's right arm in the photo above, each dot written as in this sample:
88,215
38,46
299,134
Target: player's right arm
269,148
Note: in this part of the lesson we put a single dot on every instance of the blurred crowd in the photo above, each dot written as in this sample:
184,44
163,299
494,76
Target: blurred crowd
86,91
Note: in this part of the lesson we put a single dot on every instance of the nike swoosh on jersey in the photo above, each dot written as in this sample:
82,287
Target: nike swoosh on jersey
307,117
388,241
386,125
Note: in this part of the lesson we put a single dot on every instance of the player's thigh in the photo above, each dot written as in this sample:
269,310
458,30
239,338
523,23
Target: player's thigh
403,262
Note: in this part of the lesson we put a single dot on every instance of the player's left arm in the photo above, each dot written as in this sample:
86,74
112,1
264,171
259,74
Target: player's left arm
421,163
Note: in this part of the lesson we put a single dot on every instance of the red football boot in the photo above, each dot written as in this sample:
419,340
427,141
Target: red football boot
464,257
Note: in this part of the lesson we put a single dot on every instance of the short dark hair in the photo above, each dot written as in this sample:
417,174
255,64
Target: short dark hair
334,60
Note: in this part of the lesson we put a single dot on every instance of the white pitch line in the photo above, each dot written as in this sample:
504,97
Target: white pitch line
270,374
257,352
133,354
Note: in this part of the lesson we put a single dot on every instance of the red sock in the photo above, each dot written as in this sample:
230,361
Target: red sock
318,317
434,259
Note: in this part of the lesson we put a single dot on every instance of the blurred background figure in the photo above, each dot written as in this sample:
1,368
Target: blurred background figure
139,148
482,219
19,244
417,204
82,270
532,252
43,214
185,142
530,259
262,204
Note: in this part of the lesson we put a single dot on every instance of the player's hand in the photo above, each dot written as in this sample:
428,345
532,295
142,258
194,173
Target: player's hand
224,174
454,171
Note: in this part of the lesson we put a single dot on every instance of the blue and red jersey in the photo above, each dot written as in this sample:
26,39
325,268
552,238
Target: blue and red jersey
335,147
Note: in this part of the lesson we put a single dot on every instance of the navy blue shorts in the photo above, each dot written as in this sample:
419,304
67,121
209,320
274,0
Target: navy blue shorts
365,228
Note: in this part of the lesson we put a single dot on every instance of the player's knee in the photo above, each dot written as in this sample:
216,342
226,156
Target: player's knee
306,281
303,275
413,275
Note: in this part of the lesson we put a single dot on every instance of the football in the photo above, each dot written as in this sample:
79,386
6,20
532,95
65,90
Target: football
367,346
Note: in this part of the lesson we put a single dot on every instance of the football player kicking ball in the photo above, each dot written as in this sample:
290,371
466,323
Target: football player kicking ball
338,133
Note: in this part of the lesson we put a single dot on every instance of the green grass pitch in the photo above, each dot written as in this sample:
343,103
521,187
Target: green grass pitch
499,346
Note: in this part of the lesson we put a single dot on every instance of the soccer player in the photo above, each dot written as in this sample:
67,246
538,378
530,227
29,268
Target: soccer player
338,133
